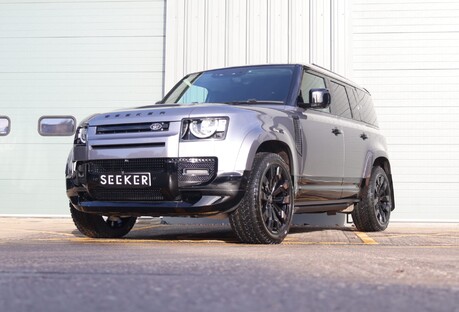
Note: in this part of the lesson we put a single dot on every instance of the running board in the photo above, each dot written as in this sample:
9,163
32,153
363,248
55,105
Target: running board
321,206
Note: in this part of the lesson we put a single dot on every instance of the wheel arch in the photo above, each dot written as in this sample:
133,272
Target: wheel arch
383,162
260,141
280,148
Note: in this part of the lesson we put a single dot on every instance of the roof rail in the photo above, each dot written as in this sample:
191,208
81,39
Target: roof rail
328,70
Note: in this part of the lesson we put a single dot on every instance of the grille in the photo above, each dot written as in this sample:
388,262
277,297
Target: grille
128,165
127,195
153,165
130,128
209,164
165,170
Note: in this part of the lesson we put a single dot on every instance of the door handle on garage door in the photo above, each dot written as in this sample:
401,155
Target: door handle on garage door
363,136
336,131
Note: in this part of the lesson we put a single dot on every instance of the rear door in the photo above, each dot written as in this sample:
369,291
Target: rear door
355,138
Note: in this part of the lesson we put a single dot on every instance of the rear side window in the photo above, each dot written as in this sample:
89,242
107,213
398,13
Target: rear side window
355,108
366,108
339,101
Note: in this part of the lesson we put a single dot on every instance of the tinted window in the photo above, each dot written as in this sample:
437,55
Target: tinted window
366,108
239,84
56,125
340,101
309,82
355,108
5,125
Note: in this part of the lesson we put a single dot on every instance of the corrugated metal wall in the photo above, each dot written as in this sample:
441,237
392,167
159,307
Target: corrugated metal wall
203,34
407,54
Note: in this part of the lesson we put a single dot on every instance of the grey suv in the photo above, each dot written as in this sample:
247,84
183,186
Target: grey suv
254,143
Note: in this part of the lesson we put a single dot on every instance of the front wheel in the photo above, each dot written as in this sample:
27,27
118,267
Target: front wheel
372,213
266,211
97,226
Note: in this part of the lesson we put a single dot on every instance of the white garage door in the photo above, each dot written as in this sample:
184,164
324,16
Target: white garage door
62,57
407,54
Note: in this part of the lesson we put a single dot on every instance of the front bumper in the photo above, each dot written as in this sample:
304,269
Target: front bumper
171,193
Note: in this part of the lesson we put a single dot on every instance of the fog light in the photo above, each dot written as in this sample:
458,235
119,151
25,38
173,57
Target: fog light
196,172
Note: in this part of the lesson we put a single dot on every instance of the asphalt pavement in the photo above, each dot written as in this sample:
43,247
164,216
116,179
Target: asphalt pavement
47,265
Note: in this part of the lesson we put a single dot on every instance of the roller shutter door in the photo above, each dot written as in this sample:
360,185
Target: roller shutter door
62,57
407,54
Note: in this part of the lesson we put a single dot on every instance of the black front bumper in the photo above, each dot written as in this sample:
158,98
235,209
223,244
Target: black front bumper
171,194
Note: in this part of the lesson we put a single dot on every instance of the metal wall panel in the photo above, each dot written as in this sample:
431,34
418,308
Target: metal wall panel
406,53
205,34
299,31
63,57
236,33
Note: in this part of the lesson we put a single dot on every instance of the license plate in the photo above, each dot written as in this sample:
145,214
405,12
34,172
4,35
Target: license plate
125,180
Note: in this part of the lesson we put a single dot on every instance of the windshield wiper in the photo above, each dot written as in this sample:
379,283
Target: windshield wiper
254,101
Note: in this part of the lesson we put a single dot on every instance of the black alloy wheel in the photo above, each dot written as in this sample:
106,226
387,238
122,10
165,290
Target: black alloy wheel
382,199
266,211
372,213
274,198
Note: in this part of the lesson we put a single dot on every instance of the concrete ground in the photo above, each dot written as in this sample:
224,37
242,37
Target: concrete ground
47,265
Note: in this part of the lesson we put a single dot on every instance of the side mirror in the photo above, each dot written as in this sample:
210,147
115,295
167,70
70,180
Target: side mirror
319,98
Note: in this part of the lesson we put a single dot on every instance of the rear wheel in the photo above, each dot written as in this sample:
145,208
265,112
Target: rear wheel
265,213
97,226
372,213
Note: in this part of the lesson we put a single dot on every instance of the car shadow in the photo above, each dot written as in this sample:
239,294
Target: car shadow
205,233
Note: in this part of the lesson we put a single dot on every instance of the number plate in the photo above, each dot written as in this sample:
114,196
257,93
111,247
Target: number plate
126,180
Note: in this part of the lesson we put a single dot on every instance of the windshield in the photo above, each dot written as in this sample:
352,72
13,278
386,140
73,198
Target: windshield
263,84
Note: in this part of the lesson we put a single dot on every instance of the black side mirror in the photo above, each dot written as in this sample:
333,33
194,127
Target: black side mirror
318,98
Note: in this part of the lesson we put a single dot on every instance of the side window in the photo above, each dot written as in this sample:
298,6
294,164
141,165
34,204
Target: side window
56,125
5,125
355,108
309,82
340,101
367,110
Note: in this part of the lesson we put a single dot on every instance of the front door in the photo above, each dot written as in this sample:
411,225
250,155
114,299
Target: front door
323,151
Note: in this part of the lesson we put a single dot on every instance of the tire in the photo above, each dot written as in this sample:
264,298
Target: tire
265,213
372,213
95,226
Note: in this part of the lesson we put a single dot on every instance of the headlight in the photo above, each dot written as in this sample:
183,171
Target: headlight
204,128
81,136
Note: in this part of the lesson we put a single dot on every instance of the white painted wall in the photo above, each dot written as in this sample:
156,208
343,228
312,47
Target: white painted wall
63,57
407,54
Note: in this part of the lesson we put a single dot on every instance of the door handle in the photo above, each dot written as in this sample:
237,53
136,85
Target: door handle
336,131
363,136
